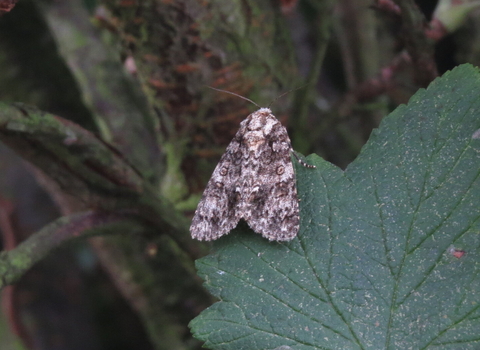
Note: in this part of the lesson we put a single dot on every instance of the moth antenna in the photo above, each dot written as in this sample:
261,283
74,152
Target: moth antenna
289,91
234,94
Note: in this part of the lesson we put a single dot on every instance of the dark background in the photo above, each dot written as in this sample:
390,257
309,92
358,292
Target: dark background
95,294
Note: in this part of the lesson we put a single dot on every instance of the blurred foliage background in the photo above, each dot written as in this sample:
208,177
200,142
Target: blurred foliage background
132,76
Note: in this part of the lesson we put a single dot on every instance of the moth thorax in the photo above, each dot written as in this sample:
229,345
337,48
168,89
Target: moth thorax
254,140
263,123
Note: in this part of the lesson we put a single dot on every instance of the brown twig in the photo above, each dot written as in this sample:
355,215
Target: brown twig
14,263
89,170
7,6
9,296
418,45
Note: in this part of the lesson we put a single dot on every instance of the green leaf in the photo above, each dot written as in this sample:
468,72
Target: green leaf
388,252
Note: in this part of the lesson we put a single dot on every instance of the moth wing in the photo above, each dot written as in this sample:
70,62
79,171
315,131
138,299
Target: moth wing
273,209
216,213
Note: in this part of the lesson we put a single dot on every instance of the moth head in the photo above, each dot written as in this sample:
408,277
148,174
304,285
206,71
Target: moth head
259,119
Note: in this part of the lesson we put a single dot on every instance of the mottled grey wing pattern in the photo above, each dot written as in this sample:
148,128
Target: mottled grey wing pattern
216,213
253,180
271,198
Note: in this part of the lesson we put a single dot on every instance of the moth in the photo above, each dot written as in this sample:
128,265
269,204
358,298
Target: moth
254,181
